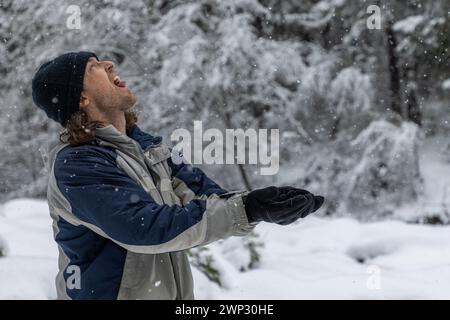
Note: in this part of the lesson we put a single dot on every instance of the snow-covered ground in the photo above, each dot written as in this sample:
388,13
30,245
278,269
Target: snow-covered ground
314,258
343,259
29,267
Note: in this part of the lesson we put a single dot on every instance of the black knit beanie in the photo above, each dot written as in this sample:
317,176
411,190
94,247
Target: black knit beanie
58,83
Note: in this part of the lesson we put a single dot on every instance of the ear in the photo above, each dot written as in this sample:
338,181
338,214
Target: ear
84,101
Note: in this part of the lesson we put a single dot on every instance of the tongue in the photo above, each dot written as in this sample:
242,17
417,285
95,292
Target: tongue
122,84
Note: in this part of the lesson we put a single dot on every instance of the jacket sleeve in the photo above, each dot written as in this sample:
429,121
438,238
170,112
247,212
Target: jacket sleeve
190,182
105,199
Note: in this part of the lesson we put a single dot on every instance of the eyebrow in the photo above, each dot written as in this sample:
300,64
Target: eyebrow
90,60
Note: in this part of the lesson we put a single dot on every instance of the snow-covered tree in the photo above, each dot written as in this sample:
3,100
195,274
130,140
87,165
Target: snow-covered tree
311,69
386,174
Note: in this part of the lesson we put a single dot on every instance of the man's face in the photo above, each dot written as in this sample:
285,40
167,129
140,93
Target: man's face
103,87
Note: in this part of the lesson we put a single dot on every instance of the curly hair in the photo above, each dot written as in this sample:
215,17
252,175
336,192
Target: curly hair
80,129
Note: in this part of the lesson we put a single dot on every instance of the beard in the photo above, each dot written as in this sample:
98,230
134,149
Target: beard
116,101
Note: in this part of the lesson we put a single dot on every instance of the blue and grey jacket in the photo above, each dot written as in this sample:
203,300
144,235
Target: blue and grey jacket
124,215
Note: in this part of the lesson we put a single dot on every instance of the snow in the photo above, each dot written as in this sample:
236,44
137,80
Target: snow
446,84
408,24
29,267
318,259
435,170
313,258
386,173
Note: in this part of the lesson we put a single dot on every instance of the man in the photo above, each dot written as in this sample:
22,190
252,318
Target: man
123,212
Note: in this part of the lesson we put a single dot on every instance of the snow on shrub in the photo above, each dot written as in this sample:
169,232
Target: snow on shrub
221,260
3,248
386,172
369,176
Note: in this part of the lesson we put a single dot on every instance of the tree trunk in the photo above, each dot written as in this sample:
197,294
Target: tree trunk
397,105
242,173
406,104
244,177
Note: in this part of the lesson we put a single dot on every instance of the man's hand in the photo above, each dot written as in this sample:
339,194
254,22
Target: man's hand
282,205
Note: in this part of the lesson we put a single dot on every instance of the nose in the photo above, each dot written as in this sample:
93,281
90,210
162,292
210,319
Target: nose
109,66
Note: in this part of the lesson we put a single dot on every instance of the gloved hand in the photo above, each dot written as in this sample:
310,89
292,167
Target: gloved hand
282,205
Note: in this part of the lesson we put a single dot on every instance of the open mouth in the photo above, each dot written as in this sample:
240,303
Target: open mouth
119,83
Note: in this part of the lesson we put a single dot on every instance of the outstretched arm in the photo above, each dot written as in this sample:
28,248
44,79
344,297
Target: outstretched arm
101,196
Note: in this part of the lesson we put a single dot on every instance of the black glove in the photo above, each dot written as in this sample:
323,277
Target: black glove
282,205
287,192
318,201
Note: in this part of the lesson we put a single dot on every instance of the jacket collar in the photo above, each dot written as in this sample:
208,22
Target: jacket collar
145,140
114,136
